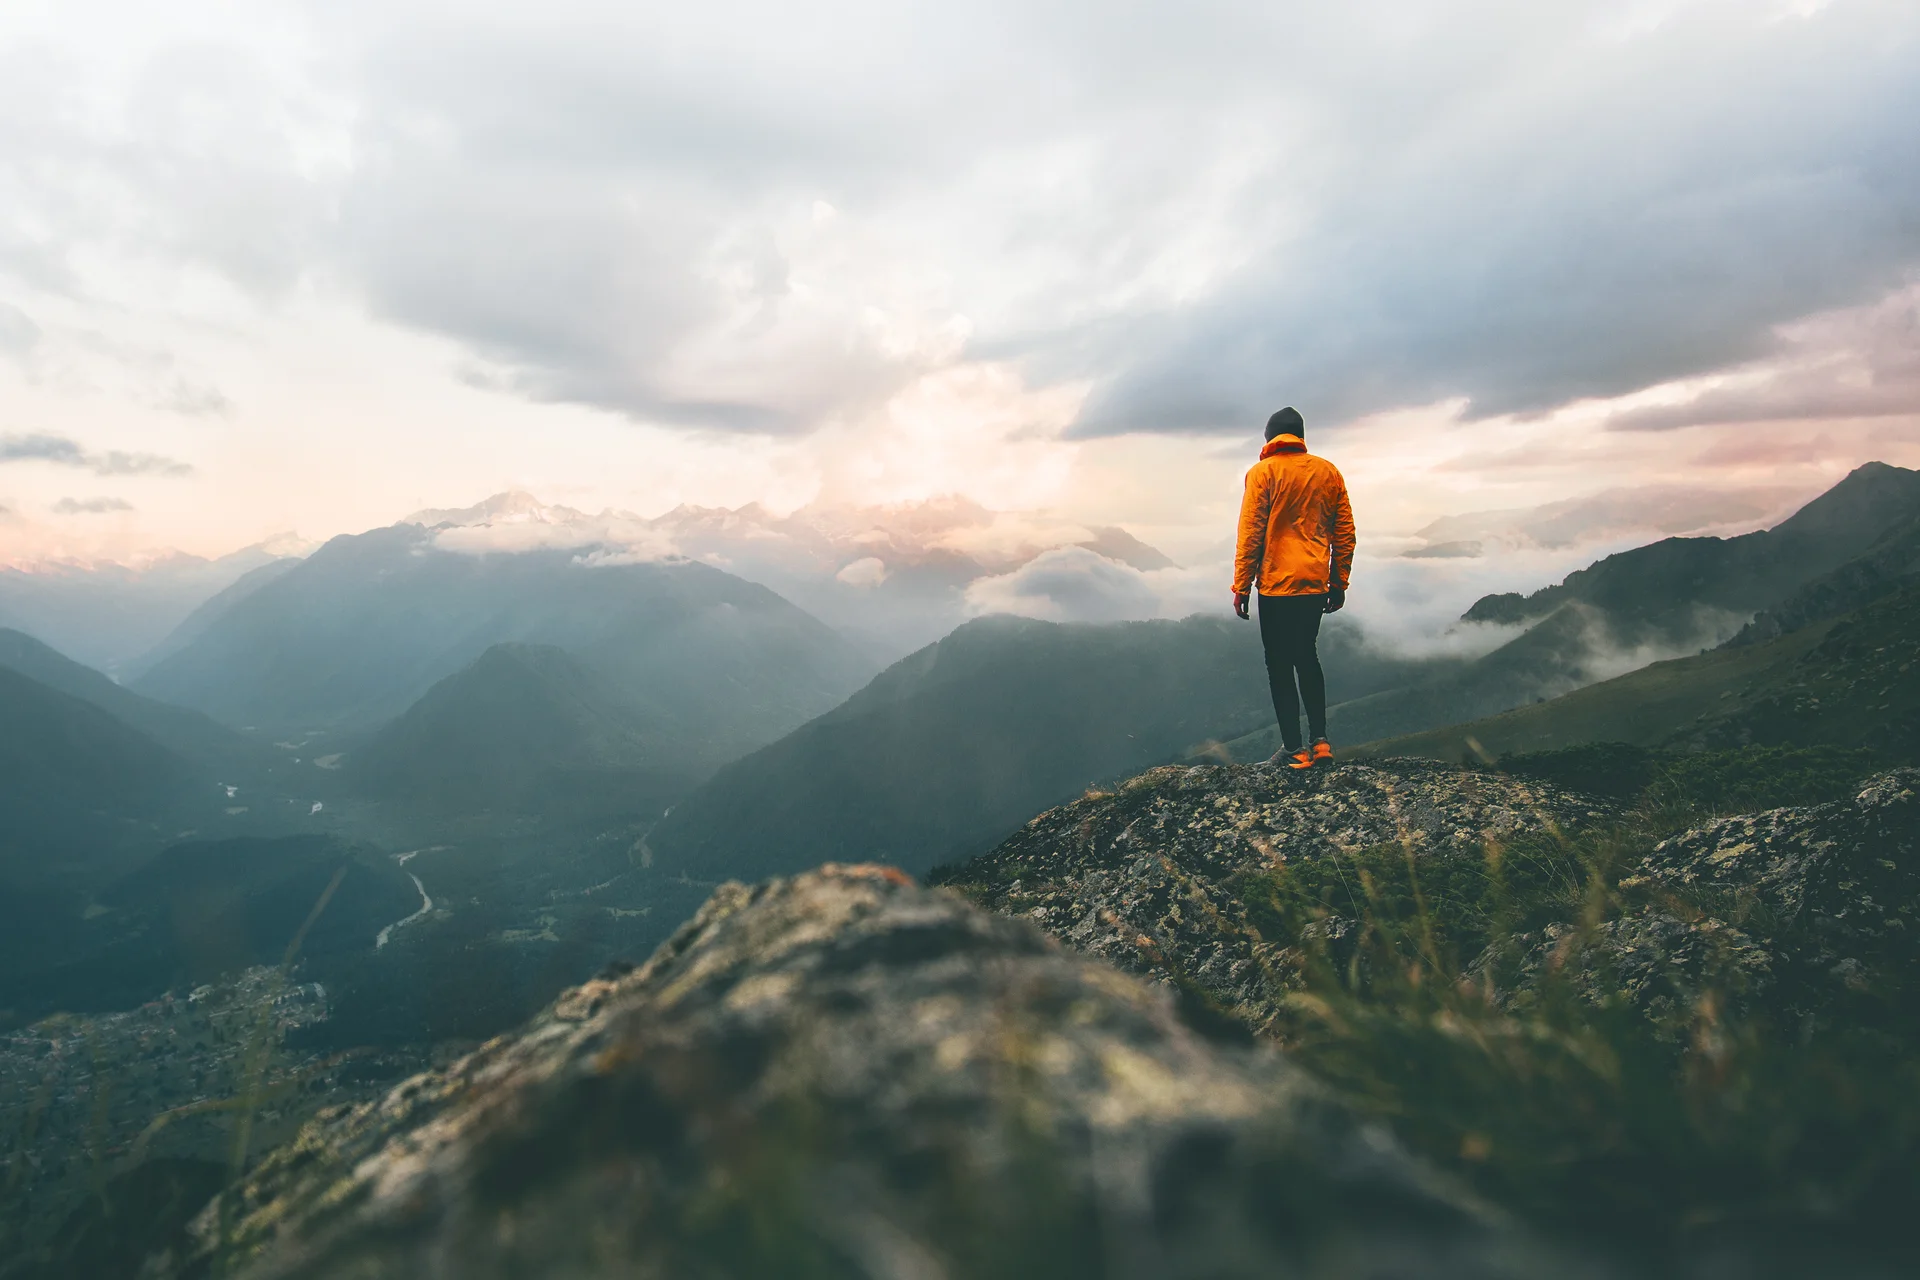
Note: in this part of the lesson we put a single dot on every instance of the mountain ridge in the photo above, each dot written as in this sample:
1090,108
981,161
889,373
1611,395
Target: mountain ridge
363,627
1741,574
177,728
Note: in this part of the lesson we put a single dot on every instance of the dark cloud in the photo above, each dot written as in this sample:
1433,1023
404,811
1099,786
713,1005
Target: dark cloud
90,506
63,452
1516,207
1639,215
55,449
1857,364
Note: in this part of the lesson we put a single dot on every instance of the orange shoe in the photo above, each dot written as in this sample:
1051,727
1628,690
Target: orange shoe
1301,759
1321,752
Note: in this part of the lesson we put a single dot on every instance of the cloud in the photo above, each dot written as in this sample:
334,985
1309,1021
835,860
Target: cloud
976,249
1644,513
1071,584
1855,363
116,463
1512,206
90,506
40,448
1562,217
868,571
63,452
515,523
18,332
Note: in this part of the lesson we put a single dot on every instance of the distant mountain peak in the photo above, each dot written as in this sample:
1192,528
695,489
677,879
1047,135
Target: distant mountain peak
515,506
1868,499
281,545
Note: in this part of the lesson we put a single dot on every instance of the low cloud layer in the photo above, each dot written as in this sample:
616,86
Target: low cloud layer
1071,584
1613,516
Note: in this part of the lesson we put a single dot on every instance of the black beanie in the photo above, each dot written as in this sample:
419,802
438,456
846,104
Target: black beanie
1287,422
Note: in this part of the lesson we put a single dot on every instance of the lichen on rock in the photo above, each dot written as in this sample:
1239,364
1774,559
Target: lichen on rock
1807,912
1150,877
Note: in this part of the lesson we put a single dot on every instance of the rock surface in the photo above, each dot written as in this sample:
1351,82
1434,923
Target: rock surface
845,1074
1145,877
1813,912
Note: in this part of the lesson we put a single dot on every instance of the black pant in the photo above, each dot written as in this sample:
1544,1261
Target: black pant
1290,632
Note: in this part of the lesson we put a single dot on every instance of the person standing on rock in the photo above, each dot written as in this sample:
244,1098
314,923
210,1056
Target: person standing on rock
1295,549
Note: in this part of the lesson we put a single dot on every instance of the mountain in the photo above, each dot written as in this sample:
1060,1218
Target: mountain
1670,588
360,630
211,610
524,727
107,615
1859,686
893,578
187,733
1849,682
1889,564
951,748
76,784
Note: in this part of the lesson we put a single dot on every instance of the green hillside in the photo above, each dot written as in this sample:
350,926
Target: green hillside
1850,682
951,748
210,611
76,784
525,727
1881,570
187,732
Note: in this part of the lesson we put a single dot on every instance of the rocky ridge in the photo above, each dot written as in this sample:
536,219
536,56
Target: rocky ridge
846,1074
1149,877
1810,913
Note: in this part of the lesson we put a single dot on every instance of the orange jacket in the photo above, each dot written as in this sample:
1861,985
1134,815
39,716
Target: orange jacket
1296,525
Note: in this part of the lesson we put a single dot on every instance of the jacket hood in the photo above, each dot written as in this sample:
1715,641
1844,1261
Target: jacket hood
1284,443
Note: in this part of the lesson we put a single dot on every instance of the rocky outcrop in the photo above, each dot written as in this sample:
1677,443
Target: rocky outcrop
846,1074
1810,912
1149,877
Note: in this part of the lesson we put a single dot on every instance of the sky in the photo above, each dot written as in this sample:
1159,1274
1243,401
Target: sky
273,266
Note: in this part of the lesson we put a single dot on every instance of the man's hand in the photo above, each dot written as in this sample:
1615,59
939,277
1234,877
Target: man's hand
1336,599
1240,599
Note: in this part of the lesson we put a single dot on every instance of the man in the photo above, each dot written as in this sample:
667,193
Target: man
1296,549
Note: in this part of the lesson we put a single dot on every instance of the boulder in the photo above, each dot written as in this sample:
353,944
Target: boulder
846,1074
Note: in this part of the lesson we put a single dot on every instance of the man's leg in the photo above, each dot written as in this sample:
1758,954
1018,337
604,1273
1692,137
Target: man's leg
1276,637
1306,660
